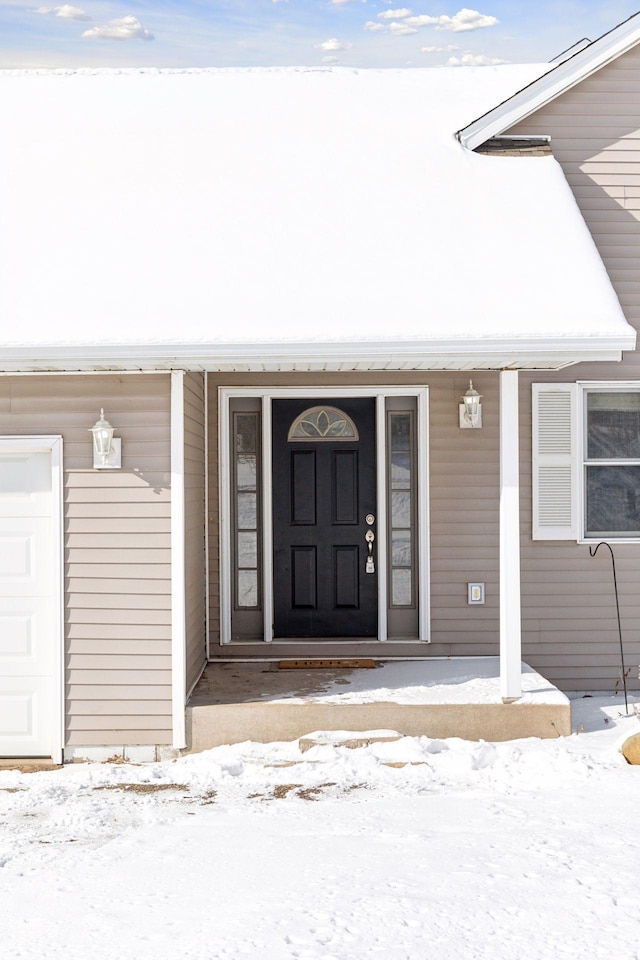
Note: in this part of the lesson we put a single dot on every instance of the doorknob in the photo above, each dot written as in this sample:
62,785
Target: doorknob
370,566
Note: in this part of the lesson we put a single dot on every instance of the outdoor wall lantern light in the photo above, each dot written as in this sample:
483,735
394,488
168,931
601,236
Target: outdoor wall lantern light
107,453
471,409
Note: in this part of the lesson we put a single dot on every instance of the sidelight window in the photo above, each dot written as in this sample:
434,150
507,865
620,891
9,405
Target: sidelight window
246,518
402,527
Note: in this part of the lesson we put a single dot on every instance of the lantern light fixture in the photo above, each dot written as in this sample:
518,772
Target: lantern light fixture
470,409
107,453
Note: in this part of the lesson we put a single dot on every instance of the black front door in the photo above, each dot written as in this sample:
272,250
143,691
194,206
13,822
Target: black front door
324,504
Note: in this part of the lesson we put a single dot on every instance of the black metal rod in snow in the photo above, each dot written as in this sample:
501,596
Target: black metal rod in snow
592,552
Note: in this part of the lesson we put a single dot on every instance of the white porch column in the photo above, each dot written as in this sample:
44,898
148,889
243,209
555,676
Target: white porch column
510,614
178,585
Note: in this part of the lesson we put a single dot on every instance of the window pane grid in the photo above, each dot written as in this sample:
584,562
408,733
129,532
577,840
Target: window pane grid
246,467
401,488
612,463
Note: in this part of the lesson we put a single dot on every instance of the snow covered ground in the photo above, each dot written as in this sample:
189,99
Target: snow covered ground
410,849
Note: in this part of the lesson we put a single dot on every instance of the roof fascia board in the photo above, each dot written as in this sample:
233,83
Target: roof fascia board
317,349
253,355
552,84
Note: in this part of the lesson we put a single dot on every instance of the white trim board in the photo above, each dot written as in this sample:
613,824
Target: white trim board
509,510
207,598
54,446
552,84
381,508
265,394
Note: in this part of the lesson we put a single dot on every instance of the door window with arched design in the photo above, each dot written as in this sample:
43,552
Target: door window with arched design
323,423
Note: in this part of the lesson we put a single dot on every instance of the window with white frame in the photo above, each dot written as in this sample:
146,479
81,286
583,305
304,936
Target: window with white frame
586,461
611,463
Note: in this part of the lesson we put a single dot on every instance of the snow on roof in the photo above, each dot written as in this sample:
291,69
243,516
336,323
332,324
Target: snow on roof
206,209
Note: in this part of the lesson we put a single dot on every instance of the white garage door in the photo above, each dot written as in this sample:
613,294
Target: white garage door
29,634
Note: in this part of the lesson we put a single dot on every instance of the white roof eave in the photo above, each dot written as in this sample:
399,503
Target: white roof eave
388,355
552,84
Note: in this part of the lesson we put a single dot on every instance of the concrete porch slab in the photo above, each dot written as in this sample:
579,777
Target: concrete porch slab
452,697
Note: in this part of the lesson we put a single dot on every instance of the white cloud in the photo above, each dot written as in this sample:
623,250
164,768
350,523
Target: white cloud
401,29
333,44
372,25
423,20
331,59
474,60
339,3
448,49
66,11
124,28
464,19
69,12
395,14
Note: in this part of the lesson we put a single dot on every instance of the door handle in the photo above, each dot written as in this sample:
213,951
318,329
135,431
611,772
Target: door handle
370,566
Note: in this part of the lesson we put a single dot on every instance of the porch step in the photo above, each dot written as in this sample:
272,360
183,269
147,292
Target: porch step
235,702
213,725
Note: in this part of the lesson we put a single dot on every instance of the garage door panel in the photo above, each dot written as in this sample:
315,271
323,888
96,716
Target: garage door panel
26,641
26,556
29,603
25,709
25,485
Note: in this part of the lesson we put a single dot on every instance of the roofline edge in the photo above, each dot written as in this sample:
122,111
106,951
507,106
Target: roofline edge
552,84
549,352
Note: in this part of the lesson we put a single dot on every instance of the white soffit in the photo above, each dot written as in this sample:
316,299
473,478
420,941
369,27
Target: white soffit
270,358
557,81
285,219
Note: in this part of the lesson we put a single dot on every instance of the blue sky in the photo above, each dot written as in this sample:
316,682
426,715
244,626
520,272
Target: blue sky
362,33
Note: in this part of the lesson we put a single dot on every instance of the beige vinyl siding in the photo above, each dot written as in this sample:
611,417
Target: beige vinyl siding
569,625
194,490
569,615
595,135
117,559
464,474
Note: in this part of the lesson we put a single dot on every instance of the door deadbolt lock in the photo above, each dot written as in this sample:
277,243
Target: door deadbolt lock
370,566
370,519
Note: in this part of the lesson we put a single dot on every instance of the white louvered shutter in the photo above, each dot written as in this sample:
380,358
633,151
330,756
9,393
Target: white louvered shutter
555,466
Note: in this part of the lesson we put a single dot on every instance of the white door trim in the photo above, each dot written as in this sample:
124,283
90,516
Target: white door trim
381,509
265,394
424,553
53,446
